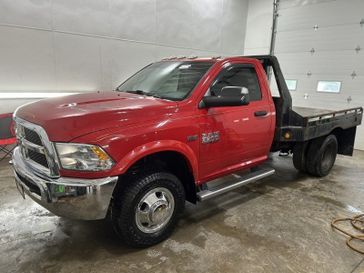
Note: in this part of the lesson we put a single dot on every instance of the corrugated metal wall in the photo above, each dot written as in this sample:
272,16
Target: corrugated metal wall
323,40
81,45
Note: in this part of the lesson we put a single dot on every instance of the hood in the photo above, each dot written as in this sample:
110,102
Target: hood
66,118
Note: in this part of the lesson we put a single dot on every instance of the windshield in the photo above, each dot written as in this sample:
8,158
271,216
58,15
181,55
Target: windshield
166,80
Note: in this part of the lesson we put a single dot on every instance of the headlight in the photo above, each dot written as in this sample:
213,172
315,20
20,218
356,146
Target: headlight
83,157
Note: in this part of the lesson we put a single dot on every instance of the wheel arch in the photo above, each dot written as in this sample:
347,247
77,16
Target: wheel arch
175,157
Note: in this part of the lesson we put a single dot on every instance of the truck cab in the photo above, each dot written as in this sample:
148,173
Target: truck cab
136,154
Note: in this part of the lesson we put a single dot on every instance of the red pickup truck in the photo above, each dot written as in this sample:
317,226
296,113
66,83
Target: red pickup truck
137,153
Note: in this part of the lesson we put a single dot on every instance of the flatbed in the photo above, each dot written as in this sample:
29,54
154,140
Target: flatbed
309,123
298,125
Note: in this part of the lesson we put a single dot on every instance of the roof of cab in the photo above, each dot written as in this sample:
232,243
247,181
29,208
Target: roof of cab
201,59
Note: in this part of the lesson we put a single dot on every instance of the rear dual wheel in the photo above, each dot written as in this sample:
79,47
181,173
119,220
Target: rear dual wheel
299,156
316,157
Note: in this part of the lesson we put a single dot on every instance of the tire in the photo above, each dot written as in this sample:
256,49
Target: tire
299,156
321,155
145,209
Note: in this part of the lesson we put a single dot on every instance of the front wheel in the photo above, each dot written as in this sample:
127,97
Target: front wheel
146,209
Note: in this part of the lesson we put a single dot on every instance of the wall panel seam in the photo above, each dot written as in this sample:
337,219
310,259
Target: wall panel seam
103,37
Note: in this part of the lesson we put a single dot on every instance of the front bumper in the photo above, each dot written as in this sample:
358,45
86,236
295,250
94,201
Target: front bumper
84,199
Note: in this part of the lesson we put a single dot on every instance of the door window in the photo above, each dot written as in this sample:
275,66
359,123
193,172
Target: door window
238,75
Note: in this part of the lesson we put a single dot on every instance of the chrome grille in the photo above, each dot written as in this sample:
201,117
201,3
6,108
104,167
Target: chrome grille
36,149
32,136
38,158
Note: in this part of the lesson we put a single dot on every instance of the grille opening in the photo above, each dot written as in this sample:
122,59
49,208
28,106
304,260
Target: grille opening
38,158
32,187
32,136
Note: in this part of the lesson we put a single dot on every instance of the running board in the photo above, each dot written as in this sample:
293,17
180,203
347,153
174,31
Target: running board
246,179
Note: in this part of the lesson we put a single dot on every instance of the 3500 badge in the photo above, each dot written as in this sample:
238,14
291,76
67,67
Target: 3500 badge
210,137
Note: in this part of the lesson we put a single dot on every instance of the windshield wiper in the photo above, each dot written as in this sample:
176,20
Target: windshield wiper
139,92
149,94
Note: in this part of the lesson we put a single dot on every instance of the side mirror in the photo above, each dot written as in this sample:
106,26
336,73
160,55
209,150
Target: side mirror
229,96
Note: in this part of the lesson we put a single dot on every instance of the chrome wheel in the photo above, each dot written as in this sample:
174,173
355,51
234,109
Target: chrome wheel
154,210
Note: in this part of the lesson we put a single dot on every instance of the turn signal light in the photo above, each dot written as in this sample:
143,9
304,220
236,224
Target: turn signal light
287,135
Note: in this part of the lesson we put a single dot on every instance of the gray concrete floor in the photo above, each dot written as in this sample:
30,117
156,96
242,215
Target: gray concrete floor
279,225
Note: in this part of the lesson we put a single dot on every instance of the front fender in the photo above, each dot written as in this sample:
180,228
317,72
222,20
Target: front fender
154,147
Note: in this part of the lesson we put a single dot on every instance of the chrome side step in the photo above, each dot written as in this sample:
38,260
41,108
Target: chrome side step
246,179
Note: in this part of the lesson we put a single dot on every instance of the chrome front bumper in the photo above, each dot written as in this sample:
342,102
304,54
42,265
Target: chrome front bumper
84,199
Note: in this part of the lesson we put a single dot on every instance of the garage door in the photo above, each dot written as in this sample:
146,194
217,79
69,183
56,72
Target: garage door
320,45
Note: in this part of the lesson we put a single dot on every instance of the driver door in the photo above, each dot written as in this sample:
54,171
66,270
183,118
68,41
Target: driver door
238,137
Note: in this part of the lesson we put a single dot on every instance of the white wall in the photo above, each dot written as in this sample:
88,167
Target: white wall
332,29
258,27
86,45
337,35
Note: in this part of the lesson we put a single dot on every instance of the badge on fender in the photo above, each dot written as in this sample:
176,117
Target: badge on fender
210,137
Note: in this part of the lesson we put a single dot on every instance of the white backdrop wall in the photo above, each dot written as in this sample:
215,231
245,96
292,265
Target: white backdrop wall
258,27
86,45
332,28
317,41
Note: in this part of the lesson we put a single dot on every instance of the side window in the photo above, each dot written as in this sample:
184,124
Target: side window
238,75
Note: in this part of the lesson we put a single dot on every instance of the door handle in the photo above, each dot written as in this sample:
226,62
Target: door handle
260,113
